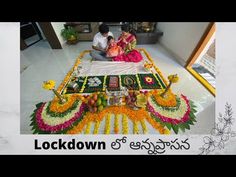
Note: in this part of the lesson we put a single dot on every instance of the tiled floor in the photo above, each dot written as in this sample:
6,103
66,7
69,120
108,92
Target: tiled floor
32,39
40,63
206,68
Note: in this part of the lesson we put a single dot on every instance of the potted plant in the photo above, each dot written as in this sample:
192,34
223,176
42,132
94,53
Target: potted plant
70,35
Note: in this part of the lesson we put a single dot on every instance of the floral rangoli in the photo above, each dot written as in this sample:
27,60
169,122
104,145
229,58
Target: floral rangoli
126,104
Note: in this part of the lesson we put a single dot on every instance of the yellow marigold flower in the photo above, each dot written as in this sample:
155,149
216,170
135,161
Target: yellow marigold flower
148,65
145,130
49,85
116,124
173,78
107,124
167,131
125,125
87,130
135,127
96,127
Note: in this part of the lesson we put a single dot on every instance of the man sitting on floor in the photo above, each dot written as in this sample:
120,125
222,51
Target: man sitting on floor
100,44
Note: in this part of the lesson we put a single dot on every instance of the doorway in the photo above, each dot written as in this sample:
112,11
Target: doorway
29,34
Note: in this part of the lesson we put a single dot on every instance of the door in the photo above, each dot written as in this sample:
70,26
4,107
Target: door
29,34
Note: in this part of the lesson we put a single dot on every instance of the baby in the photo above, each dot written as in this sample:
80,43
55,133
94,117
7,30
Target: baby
113,49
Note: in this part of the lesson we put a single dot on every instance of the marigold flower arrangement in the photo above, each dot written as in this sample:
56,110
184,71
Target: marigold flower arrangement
135,127
58,107
136,116
168,101
151,60
46,121
50,85
58,115
96,127
165,97
143,124
172,79
178,117
148,66
87,130
125,129
108,124
116,124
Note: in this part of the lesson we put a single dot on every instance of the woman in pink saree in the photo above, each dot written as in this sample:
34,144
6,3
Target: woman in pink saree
127,41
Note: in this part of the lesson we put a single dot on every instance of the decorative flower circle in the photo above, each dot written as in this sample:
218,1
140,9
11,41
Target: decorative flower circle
180,115
148,80
49,122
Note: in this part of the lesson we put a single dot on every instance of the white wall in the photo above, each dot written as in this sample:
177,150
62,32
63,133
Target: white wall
180,38
10,67
58,26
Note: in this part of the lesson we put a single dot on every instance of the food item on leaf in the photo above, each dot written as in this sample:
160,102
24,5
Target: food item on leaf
131,98
97,102
104,103
113,82
95,109
136,99
100,108
91,102
95,97
141,100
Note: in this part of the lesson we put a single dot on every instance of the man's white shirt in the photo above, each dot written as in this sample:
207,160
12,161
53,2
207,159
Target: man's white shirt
100,41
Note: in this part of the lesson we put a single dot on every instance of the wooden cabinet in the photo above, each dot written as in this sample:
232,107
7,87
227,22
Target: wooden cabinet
146,32
148,38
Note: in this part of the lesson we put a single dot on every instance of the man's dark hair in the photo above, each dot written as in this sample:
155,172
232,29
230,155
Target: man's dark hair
109,38
103,29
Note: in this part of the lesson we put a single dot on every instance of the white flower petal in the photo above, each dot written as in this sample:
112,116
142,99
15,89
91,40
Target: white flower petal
211,148
225,137
206,146
227,130
207,139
